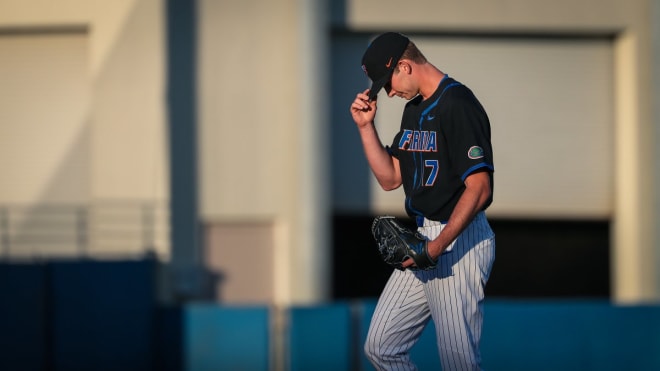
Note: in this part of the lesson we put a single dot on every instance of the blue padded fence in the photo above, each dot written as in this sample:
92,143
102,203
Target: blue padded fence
570,335
320,333
77,316
229,338
102,315
84,315
23,317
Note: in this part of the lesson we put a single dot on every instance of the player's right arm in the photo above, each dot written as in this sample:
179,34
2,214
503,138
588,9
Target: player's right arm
382,164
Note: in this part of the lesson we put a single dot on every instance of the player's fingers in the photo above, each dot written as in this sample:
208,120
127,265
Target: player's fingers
361,103
365,94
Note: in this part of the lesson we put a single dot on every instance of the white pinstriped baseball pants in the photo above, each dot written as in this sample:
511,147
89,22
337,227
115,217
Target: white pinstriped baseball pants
452,295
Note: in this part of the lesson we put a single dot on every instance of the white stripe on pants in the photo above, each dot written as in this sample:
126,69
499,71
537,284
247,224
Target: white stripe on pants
452,294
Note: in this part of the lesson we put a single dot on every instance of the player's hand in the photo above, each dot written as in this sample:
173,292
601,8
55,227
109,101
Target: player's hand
410,263
363,110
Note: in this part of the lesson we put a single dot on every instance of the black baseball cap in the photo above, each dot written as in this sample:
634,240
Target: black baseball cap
381,57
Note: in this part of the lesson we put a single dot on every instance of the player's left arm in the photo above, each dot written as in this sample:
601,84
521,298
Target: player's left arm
476,195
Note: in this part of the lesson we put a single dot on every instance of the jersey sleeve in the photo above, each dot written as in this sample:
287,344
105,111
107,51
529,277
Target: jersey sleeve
469,136
393,149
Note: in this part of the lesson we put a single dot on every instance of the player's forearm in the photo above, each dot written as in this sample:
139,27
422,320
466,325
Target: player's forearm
472,201
379,159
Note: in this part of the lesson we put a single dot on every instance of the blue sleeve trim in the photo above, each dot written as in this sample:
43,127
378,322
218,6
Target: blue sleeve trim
476,167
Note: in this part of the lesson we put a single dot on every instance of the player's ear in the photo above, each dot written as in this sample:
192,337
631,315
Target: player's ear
404,66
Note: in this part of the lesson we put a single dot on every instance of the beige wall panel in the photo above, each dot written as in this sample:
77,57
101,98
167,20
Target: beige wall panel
241,255
261,106
635,251
44,122
471,15
247,109
125,61
129,138
130,126
105,17
123,144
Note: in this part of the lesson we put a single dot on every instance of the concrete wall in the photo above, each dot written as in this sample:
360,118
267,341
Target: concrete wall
262,119
262,142
117,144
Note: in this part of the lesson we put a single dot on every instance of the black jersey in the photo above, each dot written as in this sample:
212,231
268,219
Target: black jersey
442,140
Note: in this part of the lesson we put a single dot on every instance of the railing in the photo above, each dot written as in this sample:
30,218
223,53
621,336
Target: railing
101,229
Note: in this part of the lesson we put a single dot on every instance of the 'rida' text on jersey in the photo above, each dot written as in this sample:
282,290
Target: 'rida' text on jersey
419,141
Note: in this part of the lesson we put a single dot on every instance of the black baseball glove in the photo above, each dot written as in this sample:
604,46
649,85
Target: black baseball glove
396,243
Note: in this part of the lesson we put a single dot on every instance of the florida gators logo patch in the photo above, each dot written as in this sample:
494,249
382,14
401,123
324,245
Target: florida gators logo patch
475,152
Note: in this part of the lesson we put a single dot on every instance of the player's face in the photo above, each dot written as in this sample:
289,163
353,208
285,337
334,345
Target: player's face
400,86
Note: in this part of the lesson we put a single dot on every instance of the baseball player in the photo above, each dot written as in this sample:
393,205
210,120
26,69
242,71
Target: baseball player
443,157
